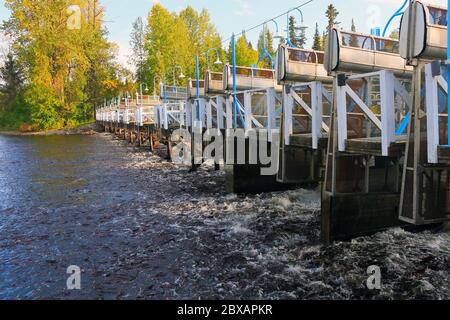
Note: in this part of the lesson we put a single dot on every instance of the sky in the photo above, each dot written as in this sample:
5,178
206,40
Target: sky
236,15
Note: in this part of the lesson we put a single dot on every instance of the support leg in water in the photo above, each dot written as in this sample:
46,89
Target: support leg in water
169,149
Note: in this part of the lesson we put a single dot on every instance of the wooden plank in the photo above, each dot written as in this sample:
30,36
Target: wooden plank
443,154
372,146
306,141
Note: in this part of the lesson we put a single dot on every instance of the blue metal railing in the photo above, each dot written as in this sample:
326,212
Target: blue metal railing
448,79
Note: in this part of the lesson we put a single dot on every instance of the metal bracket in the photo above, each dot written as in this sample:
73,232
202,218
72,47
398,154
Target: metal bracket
342,80
436,68
422,114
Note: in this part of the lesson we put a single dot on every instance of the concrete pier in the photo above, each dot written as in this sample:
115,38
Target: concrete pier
347,216
248,178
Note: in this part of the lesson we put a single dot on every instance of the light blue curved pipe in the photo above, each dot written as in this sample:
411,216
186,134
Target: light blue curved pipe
448,80
403,125
399,12
265,53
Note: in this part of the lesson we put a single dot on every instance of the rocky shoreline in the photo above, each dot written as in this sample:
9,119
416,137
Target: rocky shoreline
89,129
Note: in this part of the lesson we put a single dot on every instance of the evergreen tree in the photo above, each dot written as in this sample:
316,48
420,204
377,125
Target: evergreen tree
11,80
317,43
293,32
13,110
354,38
266,63
139,55
324,39
332,15
302,39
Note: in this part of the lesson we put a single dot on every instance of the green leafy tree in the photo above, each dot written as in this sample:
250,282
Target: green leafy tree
245,54
65,67
395,34
203,36
160,40
175,40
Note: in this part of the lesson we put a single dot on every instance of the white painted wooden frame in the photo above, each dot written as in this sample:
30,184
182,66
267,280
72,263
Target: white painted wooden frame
315,111
388,87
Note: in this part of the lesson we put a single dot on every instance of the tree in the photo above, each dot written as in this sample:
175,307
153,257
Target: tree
94,13
203,37
161,40
175,40
11,80
395,34
302,39
332,15
13,109
317,43
245,54
354,38
324,39
298,40
139,54
266,63
292,31
65,67
102,69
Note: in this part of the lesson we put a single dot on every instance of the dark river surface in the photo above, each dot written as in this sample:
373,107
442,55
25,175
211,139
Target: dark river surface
143,228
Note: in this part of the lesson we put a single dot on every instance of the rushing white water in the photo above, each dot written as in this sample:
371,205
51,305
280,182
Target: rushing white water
267,246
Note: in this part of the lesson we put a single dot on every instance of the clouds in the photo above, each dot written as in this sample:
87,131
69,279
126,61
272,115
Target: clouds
243,8
123,56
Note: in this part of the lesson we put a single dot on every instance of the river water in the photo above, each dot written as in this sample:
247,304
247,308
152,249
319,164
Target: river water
142,228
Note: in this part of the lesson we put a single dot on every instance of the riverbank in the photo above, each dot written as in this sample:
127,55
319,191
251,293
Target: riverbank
88,129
